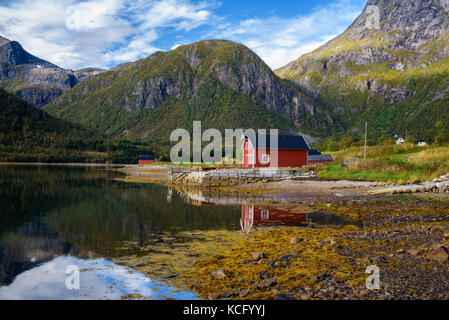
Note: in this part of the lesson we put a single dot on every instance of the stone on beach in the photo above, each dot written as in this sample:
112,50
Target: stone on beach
218,274
283,296
258,255
244,292
439,254
267,283
414,252
214,296
296,240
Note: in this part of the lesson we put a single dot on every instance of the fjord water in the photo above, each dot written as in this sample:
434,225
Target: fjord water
54,217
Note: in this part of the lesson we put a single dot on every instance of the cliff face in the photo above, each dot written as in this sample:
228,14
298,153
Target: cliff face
222,83
391,63
35,80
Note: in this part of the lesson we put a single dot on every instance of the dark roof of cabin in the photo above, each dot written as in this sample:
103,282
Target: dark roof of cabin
321,158
314,153
284,142
146,157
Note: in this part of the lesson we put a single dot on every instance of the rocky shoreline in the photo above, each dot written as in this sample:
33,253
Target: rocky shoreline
289,186
406,238
404,233
438,185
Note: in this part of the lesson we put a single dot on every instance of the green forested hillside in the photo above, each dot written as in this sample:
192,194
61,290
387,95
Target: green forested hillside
30,134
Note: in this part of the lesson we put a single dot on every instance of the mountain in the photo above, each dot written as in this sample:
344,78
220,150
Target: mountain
392,71
222,83
12,53
30,134
28,130
35,80
27,133
85,73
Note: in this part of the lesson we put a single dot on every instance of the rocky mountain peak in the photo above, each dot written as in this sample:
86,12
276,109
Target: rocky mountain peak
394,54
405,33
12,53
3,41
34,79
416,22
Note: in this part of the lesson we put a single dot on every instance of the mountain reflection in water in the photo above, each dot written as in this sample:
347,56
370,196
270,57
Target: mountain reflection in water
47,213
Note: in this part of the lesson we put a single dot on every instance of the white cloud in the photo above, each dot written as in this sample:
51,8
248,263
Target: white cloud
138,46
75,34
278,41
180,14
102,33
94,14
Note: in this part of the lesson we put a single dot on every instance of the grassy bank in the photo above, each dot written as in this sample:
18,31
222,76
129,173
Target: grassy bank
399,164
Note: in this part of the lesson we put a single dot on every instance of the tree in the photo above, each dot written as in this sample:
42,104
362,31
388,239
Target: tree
332,145
442,136
429,138
411,139
386,140
346,142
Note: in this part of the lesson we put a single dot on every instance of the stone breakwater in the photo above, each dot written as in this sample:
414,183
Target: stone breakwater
233,177
440,185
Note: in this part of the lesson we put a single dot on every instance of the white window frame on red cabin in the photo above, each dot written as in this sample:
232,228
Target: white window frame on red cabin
265,215
265,159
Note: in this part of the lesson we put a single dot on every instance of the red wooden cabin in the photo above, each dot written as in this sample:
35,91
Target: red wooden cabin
146,159
291,150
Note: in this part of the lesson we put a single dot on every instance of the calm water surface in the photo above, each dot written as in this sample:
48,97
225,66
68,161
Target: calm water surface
55,217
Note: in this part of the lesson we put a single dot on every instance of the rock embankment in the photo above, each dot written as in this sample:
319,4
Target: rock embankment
440,185
234,177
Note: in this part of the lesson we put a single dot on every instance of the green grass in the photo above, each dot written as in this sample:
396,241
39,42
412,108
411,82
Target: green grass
399,164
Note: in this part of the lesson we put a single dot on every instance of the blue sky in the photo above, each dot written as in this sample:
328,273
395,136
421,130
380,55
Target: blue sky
103,33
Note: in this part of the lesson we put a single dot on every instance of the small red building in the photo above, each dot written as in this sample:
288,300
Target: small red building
146,159
291,150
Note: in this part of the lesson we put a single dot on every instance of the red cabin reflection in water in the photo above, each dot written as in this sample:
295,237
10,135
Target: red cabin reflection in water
260,215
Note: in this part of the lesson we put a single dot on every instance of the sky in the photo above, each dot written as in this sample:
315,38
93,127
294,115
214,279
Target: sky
75,34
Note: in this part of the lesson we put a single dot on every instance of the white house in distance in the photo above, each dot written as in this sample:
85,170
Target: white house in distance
422,143
400,141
